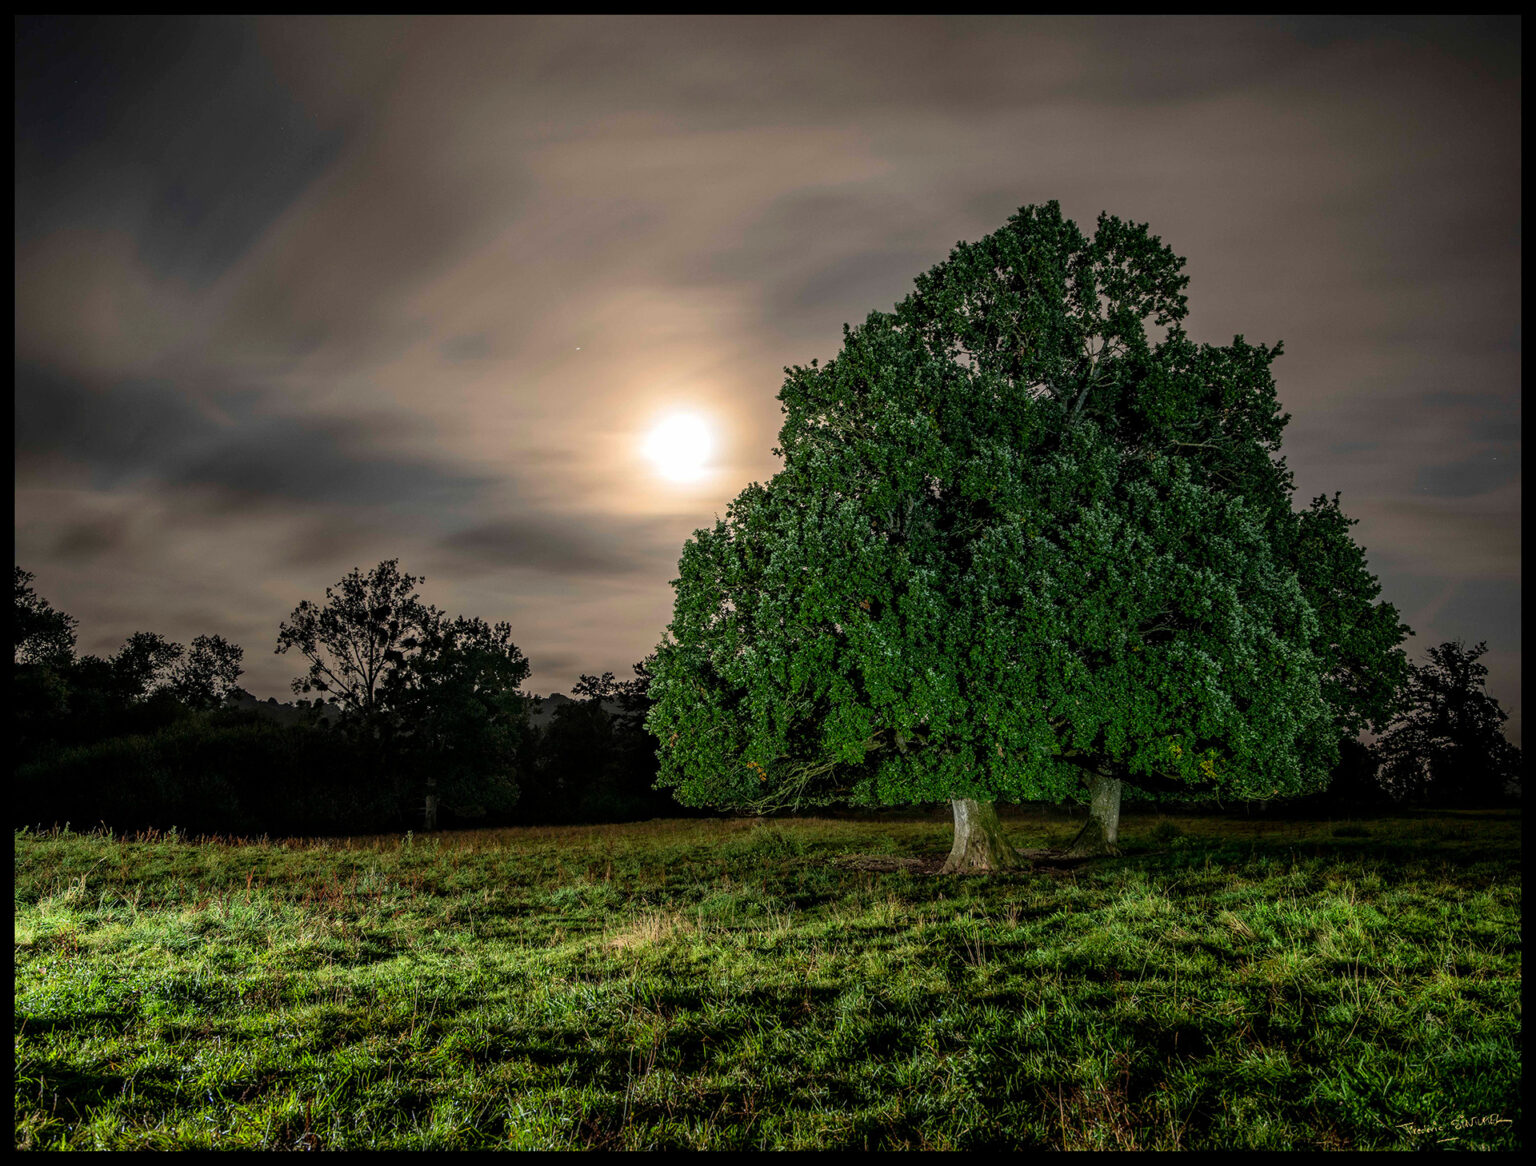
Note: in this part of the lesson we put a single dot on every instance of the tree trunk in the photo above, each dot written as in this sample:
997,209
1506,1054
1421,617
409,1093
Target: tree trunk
979,842
431,806
1102,830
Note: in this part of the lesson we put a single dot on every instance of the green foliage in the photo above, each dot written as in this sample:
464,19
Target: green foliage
1016,539
1449,742
1358,636
729,985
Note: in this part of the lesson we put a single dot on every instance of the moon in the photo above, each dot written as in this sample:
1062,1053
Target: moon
679,447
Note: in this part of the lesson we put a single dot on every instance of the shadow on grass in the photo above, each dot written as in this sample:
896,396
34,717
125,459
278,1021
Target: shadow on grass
76,1022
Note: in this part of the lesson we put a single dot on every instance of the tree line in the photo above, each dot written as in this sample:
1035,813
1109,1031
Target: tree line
418,720
407,718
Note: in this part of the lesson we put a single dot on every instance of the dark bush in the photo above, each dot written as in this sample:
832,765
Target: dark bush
212,773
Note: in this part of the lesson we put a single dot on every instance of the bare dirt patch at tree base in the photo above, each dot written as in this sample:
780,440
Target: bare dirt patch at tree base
887,863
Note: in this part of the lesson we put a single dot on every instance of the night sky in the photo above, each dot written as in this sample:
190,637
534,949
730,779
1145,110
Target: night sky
298,295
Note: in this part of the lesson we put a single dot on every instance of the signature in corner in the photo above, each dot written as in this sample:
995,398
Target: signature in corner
1460,1123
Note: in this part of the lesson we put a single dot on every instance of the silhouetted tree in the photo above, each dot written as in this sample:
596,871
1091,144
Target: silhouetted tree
595,759
45,650
1449,743
148,685
433,701
206,673
460,717
363,632
577,749
1355,781
628,778
144,665
42,634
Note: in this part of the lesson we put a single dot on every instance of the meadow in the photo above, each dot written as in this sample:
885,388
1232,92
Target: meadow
1227,982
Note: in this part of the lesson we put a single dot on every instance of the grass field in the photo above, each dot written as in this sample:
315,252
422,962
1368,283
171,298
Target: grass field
801,983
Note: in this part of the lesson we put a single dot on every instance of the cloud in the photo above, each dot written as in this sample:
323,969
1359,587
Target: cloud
1469,477
1478,414
298,294
117,434
576,545
1449,538
187,118
230,443
338,461
89,540
466,348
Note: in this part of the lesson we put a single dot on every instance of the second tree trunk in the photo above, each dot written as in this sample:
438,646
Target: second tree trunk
1102,830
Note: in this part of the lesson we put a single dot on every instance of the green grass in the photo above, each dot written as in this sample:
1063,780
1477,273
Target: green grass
1225,983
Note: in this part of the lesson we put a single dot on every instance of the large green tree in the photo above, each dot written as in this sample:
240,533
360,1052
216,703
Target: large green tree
1021,547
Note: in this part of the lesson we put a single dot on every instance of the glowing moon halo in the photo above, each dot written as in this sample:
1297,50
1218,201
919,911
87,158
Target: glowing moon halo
680,446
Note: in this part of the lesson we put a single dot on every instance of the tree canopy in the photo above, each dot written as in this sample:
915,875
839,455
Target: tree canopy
1022,543
460,714
436,698
207,672
1449,741
356,642
42,634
